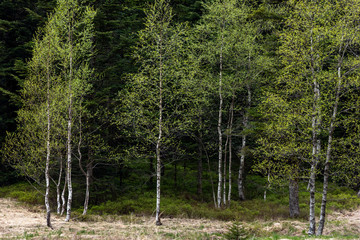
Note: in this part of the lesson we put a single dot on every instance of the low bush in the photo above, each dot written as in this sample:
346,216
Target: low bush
186,205
22,192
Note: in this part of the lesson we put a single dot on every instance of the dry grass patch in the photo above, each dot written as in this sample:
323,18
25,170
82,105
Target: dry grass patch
18,222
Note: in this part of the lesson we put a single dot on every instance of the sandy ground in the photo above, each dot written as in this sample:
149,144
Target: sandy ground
18,222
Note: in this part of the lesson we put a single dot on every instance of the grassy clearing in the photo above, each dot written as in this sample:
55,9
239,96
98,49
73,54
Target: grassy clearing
285,230
187,206
143,228
250,219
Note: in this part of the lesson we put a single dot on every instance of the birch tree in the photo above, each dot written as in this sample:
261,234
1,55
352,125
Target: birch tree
319,66
215,30
75,24
155,94
232,61
38,99
60,57
345,68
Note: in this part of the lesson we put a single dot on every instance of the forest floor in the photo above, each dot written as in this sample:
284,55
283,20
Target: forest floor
20,222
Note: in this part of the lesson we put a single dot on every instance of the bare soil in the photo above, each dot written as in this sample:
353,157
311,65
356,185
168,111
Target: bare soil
20,222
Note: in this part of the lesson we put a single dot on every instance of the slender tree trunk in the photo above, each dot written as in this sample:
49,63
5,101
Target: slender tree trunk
68,210
328,156
241,169
58,201
158,143
315,143
294,197
200,162
63,202
243,145
69,135
230,145
158,168
87,193
267,186
265,193
58,195
227,145
211,179
199,171
175,175
47,177
88,166
224,169
219,124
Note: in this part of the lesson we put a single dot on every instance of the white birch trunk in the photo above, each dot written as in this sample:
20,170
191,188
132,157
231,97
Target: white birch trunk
68,176
58,201
315,157
267,186
328,156
87,173
241,168
63,202
315,143
158,143
224,169
58,195
87,193
219,125
243,145
69,135
47,177
230,146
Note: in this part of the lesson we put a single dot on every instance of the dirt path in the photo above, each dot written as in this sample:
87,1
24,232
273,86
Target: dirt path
17,221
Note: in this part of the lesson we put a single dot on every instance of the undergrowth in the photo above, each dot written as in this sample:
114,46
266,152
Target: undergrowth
185,205
22,192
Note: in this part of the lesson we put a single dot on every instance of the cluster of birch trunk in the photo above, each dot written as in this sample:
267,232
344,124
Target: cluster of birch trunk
318,54
182,71
316,89
176,66
59,75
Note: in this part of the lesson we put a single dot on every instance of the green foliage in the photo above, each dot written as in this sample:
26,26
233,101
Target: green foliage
62,50
275,207
274,48
177,206
289,106
23,192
